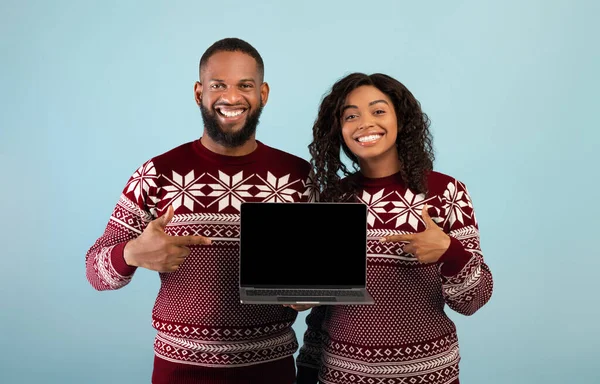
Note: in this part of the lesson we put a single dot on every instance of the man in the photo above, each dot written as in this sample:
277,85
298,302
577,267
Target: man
179,215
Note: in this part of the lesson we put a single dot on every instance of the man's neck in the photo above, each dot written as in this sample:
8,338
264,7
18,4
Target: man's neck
242,150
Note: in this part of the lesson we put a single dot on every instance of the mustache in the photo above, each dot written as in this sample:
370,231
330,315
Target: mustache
216,105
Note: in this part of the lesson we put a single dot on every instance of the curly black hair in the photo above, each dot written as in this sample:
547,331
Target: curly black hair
414,141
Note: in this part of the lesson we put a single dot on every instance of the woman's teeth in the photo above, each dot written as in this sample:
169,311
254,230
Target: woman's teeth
364,139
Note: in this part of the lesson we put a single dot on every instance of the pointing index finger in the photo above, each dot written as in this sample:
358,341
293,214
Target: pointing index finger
397,238
191,240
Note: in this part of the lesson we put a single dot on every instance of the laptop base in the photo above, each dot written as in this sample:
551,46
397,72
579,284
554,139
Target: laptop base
365,298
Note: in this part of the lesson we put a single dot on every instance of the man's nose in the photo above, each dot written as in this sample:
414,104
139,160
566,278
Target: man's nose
231,95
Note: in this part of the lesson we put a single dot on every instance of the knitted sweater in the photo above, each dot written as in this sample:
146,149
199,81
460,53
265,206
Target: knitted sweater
405,337
197,313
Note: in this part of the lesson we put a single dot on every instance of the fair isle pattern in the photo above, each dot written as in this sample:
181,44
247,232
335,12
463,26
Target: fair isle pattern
127,220
389,253
459,206
399,208
218,353
406,337
310,353
184,190
278,190
211,218
209,333
441,346
108,276
311,191
217,226
195,302
463,291
141,182
467,279
130,216
444,375
224,190
431,362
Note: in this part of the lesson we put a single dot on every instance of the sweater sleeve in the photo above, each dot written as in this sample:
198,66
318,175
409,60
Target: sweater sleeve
466,279
104,263
309,357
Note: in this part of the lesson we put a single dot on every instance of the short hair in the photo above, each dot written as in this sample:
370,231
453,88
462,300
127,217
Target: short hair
232,44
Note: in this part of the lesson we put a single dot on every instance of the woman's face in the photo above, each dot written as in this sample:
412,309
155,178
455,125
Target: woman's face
370,127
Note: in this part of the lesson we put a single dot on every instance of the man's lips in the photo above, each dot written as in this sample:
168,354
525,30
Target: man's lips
230,111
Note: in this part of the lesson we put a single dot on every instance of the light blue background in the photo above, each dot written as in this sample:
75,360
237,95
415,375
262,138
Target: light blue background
91,89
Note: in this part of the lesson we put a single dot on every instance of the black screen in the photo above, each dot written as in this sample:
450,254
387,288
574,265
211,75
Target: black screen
303,244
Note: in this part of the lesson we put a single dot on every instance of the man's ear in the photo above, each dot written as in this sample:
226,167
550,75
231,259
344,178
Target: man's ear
264,93
198,93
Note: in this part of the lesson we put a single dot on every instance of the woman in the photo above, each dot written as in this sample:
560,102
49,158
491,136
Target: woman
423,242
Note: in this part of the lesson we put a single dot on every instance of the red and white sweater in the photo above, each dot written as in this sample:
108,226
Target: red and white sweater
197,312
405,337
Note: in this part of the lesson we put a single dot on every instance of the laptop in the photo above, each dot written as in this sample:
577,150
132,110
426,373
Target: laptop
303,253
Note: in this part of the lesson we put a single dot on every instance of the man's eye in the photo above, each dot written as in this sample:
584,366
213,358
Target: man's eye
246,86
217,86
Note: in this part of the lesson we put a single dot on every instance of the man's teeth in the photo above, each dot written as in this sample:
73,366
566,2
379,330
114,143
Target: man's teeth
231,113
364,139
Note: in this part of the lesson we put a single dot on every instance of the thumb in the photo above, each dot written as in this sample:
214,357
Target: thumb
165,218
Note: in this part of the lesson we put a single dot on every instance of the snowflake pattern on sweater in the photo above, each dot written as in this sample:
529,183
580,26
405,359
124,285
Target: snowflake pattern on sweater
405,337
197,313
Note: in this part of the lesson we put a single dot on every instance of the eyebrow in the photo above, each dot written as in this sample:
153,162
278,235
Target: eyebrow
241,81
370,104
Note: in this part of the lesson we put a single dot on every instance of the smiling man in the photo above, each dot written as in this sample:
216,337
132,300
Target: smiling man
231,94
178,215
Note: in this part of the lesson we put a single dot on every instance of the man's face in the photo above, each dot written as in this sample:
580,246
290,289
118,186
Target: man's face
231,95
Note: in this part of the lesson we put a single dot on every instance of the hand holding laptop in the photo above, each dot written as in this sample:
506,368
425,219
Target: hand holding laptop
300,307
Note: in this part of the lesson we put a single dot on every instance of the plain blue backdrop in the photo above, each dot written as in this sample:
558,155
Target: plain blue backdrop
91,89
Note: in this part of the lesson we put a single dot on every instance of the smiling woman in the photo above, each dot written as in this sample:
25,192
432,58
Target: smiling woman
431,256
378,105
370,129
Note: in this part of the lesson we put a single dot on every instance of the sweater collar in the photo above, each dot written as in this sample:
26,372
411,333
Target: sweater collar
207,154
395,178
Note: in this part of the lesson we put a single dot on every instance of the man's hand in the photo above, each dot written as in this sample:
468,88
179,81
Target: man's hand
300,307
157,251
427,246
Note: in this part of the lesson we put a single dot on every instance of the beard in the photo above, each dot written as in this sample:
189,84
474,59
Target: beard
229,139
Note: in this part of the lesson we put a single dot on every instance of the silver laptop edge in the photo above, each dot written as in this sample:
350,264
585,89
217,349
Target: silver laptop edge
364,299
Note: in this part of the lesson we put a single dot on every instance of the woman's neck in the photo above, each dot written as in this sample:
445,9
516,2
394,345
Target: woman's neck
378,168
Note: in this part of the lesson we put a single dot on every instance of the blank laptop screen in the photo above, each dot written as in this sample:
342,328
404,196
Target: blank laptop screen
303,245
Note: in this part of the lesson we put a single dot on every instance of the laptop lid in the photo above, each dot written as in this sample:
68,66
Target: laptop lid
303,246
